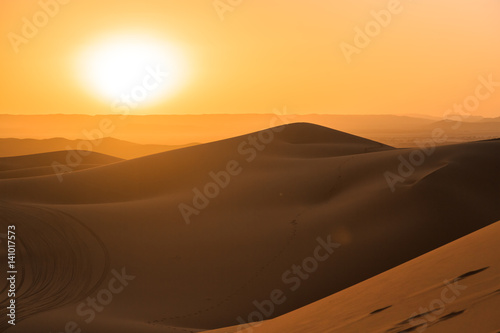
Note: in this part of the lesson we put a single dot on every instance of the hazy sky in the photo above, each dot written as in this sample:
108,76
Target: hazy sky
265,53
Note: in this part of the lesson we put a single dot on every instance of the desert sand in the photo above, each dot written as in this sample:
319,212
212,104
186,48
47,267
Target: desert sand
286,192
455,288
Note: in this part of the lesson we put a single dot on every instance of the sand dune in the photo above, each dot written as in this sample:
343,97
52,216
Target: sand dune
43,164
107,146
283,194
455,288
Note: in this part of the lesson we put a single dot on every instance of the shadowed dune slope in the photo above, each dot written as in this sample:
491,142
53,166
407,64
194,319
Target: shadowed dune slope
290,190
455,288
108,146
42,164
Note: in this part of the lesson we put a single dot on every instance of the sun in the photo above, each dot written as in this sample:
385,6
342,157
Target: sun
131,71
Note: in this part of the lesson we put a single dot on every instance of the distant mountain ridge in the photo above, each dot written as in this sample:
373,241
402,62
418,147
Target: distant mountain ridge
180,130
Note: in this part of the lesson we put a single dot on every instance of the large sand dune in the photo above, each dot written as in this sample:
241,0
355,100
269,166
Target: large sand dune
282,194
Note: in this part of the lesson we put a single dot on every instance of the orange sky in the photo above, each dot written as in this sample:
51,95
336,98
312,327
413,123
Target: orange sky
264,54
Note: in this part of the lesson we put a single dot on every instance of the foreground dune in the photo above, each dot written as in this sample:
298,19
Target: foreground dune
192,239
455,288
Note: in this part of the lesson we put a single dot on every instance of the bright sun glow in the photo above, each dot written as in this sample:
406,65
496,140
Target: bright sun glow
132,71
